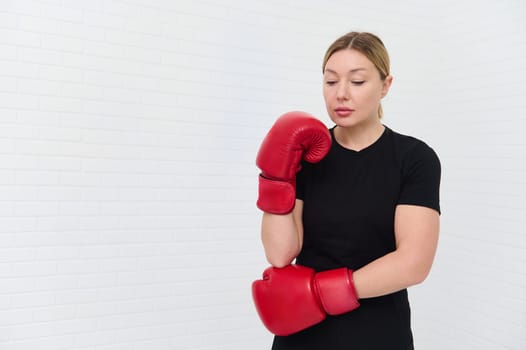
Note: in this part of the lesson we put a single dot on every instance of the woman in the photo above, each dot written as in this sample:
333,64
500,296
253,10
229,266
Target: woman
366,202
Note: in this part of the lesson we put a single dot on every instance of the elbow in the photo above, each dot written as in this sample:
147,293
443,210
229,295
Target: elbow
280,260
279,264
419,278
281,254
417,266
419,273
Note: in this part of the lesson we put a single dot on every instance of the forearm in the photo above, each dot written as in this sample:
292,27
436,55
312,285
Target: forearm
295,136
281,239
386,275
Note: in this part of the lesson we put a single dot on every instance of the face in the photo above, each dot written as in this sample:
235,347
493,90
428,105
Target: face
352,88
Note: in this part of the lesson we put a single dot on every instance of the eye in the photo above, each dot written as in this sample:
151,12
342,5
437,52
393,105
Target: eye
330,82
358,82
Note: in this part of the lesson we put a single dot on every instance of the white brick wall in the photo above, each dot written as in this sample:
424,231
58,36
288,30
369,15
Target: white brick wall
477,101
128,132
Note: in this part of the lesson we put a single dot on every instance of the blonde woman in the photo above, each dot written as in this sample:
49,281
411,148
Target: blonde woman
350,213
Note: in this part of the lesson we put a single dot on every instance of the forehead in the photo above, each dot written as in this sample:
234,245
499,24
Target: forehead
348,61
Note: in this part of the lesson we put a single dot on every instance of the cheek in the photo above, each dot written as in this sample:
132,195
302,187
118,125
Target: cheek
327,95
372,95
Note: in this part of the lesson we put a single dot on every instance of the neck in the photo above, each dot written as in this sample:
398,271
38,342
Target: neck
359,137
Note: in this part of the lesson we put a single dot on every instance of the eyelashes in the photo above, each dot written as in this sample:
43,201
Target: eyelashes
354,82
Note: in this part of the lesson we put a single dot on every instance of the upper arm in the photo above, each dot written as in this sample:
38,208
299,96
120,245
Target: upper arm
416,234
417,214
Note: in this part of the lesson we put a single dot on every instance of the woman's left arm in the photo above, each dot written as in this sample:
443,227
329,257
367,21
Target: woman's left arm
416,232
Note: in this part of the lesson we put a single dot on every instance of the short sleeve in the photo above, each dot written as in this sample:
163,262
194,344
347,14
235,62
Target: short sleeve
421,178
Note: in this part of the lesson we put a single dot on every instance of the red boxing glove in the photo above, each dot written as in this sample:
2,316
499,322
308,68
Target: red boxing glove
293,137
286,300
293,298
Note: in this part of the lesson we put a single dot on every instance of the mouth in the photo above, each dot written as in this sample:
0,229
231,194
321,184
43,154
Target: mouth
343,111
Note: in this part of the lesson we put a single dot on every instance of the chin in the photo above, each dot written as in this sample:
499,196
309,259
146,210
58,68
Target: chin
346,122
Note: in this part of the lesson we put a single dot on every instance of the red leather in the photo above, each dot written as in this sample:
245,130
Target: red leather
276,197
286,301
293,137
293,298
336,291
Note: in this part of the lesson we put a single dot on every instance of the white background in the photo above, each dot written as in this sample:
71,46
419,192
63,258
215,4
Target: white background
128,134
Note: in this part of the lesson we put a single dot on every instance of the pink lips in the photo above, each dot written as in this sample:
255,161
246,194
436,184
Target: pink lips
343,111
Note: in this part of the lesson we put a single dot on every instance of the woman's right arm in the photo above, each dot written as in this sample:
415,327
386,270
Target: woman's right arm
282,236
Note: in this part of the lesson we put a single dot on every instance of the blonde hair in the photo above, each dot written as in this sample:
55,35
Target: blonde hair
369,45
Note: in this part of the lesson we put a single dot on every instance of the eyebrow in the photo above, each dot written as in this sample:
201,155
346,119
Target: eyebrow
351,71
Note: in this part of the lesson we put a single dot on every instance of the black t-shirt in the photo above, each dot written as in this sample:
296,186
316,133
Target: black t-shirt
350,199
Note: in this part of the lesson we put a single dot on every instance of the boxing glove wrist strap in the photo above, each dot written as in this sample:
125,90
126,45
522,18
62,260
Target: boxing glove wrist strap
276,197
336,291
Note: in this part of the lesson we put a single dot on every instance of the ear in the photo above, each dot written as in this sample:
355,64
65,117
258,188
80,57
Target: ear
386,84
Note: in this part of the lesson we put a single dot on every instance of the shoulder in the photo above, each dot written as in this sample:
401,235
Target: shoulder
411,149
420,170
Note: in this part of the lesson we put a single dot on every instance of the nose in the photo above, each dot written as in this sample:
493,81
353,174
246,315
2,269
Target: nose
343,91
